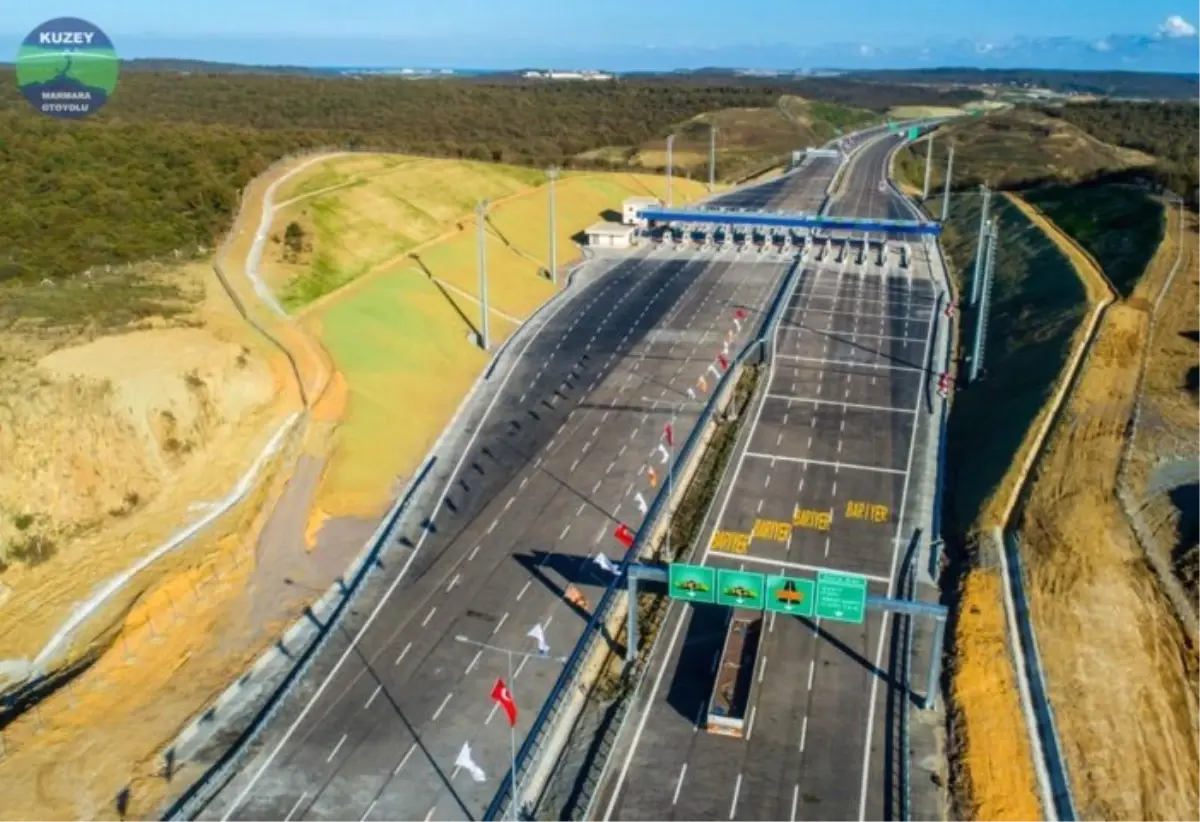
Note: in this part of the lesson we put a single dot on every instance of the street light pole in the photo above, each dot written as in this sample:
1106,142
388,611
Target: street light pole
928,169
512,731
949,171
553,174
712,158
481,230
670,147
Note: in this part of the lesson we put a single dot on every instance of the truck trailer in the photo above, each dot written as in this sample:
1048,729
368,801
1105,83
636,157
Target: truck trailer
735,675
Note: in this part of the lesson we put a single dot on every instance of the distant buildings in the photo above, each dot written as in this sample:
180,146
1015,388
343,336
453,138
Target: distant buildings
551,74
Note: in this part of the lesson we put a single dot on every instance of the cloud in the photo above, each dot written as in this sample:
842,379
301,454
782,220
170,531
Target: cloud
865,50
1102,45
1176,26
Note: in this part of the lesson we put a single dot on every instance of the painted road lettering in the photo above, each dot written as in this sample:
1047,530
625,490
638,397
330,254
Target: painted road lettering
869,512
772,530
731,542
811,519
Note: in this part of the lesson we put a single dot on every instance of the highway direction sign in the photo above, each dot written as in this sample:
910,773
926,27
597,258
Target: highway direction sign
740,589
891,127
693,583
841,597
912,133
791,595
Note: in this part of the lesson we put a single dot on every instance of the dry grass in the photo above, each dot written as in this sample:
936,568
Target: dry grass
993,751
916,112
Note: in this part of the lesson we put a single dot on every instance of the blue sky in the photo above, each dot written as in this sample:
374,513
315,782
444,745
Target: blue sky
508,29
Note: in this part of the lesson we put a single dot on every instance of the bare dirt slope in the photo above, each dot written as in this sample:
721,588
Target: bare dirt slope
1121,672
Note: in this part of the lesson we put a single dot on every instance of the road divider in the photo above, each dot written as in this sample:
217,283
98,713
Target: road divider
548,734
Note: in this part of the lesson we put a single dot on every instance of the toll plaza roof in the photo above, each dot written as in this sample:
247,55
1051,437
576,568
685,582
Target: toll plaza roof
785,220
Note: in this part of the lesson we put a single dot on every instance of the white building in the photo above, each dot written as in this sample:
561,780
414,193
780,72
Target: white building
633,205
611,235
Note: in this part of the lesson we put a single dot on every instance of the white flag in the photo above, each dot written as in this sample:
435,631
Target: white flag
662,449
691,393
714,371
738,324
604,562
641,501
536,633
465,762
725,349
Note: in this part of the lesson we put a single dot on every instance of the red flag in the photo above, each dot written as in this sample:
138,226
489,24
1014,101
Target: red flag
670,437
724,362
740,314
503,696
624,535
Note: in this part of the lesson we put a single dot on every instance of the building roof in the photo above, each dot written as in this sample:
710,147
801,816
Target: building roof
611,230
642,200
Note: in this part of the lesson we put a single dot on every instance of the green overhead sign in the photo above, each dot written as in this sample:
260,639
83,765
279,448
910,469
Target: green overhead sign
791,595
740,589
913,131
693,583
841,597
891,127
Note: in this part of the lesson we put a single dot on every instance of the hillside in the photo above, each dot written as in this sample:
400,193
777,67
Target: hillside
748,139
1016,149
1155,85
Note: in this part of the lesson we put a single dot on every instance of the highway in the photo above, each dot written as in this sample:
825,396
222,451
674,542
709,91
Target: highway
820,480
799,190
373,729
861,193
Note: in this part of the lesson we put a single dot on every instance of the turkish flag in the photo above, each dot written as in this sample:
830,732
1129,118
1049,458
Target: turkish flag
503,696
740,314
670,437
624,535
724,362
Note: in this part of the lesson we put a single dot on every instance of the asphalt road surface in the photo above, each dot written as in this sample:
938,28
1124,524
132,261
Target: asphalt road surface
862,192
799,190
373,730
820,480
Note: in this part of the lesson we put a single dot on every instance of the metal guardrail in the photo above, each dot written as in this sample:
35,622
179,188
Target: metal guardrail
201,791
594,631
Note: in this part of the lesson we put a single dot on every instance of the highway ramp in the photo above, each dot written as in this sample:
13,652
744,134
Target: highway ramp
828,474
373,729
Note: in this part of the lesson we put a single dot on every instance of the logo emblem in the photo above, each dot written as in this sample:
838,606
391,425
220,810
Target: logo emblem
67,68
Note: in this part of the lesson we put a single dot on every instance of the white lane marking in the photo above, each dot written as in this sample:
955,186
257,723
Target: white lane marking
402,654
524,589
374,694
812,669
762,668
429,815
795,798
737,788
848,465
478,654
370,808
453,582
679,783
429,616
563,535
336,748
492,527
442,707
508,504
803,732
750,728
574,465
496,630
475,551
579,510
295,807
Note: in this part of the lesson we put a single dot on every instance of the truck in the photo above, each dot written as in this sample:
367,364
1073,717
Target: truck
735,674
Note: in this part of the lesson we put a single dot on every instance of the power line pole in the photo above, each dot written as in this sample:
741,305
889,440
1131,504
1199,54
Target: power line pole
980,245
712,157
979,345
928,168
670,145
481,233
949,172
553,174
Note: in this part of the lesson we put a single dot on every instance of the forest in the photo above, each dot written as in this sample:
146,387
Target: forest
1145,84
1168,131
157,172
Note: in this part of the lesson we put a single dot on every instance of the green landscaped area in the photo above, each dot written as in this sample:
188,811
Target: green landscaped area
1121,226
1037,304
407,360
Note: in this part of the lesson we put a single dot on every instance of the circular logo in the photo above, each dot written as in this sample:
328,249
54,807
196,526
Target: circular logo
67,68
